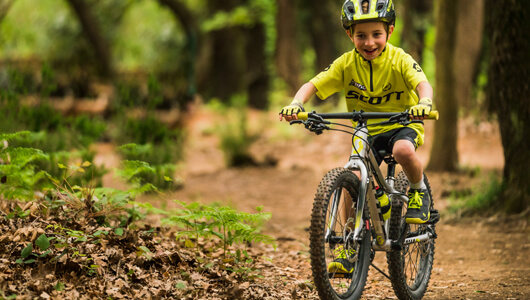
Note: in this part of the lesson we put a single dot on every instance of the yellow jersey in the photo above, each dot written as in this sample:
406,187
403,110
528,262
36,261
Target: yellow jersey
385,84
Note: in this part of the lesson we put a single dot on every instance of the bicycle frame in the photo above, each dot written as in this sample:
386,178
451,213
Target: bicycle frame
362,159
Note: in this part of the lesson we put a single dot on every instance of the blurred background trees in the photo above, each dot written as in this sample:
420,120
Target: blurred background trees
165,54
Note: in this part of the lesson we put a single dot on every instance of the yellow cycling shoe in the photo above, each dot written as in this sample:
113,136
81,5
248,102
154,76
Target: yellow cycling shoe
419,211
341,265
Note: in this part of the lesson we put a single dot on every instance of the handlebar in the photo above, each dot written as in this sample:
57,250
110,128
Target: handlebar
360,115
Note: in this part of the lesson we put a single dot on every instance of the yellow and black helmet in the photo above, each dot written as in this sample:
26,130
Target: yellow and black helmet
359,11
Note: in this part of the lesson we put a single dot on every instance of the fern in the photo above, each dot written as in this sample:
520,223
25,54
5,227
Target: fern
11,136
17,173
141,168
132,169
225,223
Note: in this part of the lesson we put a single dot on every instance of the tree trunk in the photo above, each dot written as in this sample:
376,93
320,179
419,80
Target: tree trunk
186,19
324,25
324,28
287,54
508,93
225,68
95,37
468,47
417,17
444,155
257,78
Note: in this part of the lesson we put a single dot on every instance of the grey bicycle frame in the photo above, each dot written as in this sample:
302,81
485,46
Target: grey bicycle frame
363,160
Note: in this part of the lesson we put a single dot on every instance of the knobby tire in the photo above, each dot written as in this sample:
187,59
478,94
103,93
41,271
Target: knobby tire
410,268
338,180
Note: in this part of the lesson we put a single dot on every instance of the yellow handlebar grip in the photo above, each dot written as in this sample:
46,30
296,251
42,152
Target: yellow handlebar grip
434,115
302,115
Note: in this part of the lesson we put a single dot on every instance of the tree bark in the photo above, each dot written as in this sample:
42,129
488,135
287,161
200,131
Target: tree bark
225,68
287,54
469,35
444,155
417,17
324,29
257,78
187,21
508,93
95,37
324,25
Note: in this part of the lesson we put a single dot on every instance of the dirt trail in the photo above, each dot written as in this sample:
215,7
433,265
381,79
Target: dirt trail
474,259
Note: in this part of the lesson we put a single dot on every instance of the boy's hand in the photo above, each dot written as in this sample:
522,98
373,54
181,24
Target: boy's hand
290,111
422,109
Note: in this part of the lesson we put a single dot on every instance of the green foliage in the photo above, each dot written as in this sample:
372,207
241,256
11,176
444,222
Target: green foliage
18,175
27,254
224,223
243,265
62,139
148,38
146,139
234,133
239,16
55,156
139,173
479,199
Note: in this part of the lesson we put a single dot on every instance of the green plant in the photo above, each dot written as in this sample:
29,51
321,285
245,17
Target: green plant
243,265
18,174
43,242
61,138
18,212
139,172
478,199
234,134
223,222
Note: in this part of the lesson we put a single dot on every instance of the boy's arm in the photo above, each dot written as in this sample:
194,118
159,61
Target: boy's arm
424,90
424,106
303,95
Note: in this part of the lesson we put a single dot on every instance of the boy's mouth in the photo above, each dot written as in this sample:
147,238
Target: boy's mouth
370,52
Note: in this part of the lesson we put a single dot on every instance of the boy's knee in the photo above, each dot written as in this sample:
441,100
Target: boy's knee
403,150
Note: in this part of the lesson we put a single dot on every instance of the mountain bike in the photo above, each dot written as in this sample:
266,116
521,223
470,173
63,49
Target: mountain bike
347,217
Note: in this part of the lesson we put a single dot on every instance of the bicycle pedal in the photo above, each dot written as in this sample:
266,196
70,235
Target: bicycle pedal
340,275
435,217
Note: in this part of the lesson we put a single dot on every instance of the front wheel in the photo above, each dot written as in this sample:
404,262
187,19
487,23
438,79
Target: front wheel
331,238
410,268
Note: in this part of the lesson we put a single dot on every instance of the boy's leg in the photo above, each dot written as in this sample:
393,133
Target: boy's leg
418,212
405,154
341,264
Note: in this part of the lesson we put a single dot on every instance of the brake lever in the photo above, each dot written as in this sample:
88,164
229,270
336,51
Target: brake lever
317,128
296,122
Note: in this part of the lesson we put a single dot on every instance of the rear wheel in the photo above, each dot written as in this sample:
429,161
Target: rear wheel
410,268
338,192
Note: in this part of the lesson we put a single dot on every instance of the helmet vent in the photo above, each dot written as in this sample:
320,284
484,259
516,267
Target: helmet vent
365,6
381,5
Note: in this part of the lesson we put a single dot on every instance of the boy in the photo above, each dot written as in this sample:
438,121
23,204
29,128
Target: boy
378,77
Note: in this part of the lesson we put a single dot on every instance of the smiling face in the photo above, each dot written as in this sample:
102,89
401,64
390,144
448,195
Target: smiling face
370,38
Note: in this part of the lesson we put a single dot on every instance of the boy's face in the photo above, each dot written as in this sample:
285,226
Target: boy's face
370,38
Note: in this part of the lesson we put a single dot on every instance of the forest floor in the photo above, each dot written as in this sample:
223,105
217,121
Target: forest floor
475,258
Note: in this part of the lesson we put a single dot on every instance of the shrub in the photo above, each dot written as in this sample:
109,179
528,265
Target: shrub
234,134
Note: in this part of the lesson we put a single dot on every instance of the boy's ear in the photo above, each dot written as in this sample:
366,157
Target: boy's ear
349,32
390,30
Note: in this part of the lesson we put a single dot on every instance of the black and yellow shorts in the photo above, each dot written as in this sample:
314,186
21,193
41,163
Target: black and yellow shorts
386,140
